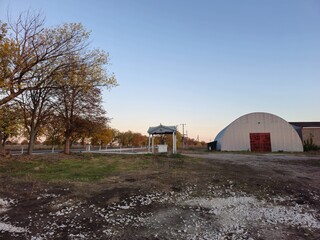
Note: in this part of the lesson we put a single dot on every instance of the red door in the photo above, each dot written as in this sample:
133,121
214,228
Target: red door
260,142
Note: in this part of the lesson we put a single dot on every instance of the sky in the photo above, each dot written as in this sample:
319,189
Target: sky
202,63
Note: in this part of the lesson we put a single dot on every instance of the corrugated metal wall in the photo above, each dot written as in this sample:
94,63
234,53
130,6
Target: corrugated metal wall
311,133
236,137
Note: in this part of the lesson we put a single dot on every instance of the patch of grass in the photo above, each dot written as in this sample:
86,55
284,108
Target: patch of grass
73,168
78,170
87,167
66,169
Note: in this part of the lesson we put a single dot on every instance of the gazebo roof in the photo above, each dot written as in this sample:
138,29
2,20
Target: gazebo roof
161,129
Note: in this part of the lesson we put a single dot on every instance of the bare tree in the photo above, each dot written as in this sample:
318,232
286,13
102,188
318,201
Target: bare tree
36,109
27,49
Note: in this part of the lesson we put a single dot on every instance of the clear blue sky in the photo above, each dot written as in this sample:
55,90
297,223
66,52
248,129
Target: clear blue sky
203,63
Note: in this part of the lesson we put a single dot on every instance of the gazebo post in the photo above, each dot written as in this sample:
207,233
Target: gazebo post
152,143
173,143
149,144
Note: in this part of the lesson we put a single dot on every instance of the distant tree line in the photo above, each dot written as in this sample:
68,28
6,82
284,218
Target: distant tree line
50,82
98,134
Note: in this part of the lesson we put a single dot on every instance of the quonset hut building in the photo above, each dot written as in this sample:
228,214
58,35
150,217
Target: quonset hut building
259,132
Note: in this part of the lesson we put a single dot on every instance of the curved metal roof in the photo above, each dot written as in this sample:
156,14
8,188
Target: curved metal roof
235,137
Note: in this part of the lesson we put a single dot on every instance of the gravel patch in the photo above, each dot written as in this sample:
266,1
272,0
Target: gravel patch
224,214
5,205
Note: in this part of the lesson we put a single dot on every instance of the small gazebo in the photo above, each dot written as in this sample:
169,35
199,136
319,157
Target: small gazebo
161,129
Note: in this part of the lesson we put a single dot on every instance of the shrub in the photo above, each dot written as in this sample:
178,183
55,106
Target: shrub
308,145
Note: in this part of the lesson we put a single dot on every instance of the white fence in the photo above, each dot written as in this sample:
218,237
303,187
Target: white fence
118,150
19,150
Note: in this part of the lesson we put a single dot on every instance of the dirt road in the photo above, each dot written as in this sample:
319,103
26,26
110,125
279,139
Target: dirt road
284,166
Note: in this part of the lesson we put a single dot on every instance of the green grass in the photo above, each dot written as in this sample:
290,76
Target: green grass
87,167
68,169
80,170
73,168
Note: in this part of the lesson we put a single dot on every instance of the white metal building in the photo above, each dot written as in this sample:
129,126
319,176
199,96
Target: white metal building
259,132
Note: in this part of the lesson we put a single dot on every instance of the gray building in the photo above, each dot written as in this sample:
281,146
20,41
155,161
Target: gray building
308,131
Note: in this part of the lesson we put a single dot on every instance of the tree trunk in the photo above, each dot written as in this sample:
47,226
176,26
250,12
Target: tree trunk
2,150
67,144
82,142
3,144
32,138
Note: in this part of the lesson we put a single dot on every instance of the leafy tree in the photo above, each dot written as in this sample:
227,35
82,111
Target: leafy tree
167,139
53,131
9,123
102,137
88,128
36,108
139,140
193,142
24,142
130,138
115,136
78,94
125,138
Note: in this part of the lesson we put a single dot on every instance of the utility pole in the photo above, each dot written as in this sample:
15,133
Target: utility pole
186,136
183,124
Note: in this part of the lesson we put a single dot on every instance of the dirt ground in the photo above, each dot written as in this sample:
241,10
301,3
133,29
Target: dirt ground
194,196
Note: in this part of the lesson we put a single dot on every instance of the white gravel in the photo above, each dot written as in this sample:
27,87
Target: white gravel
5,205
220,214
239,211
5,227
